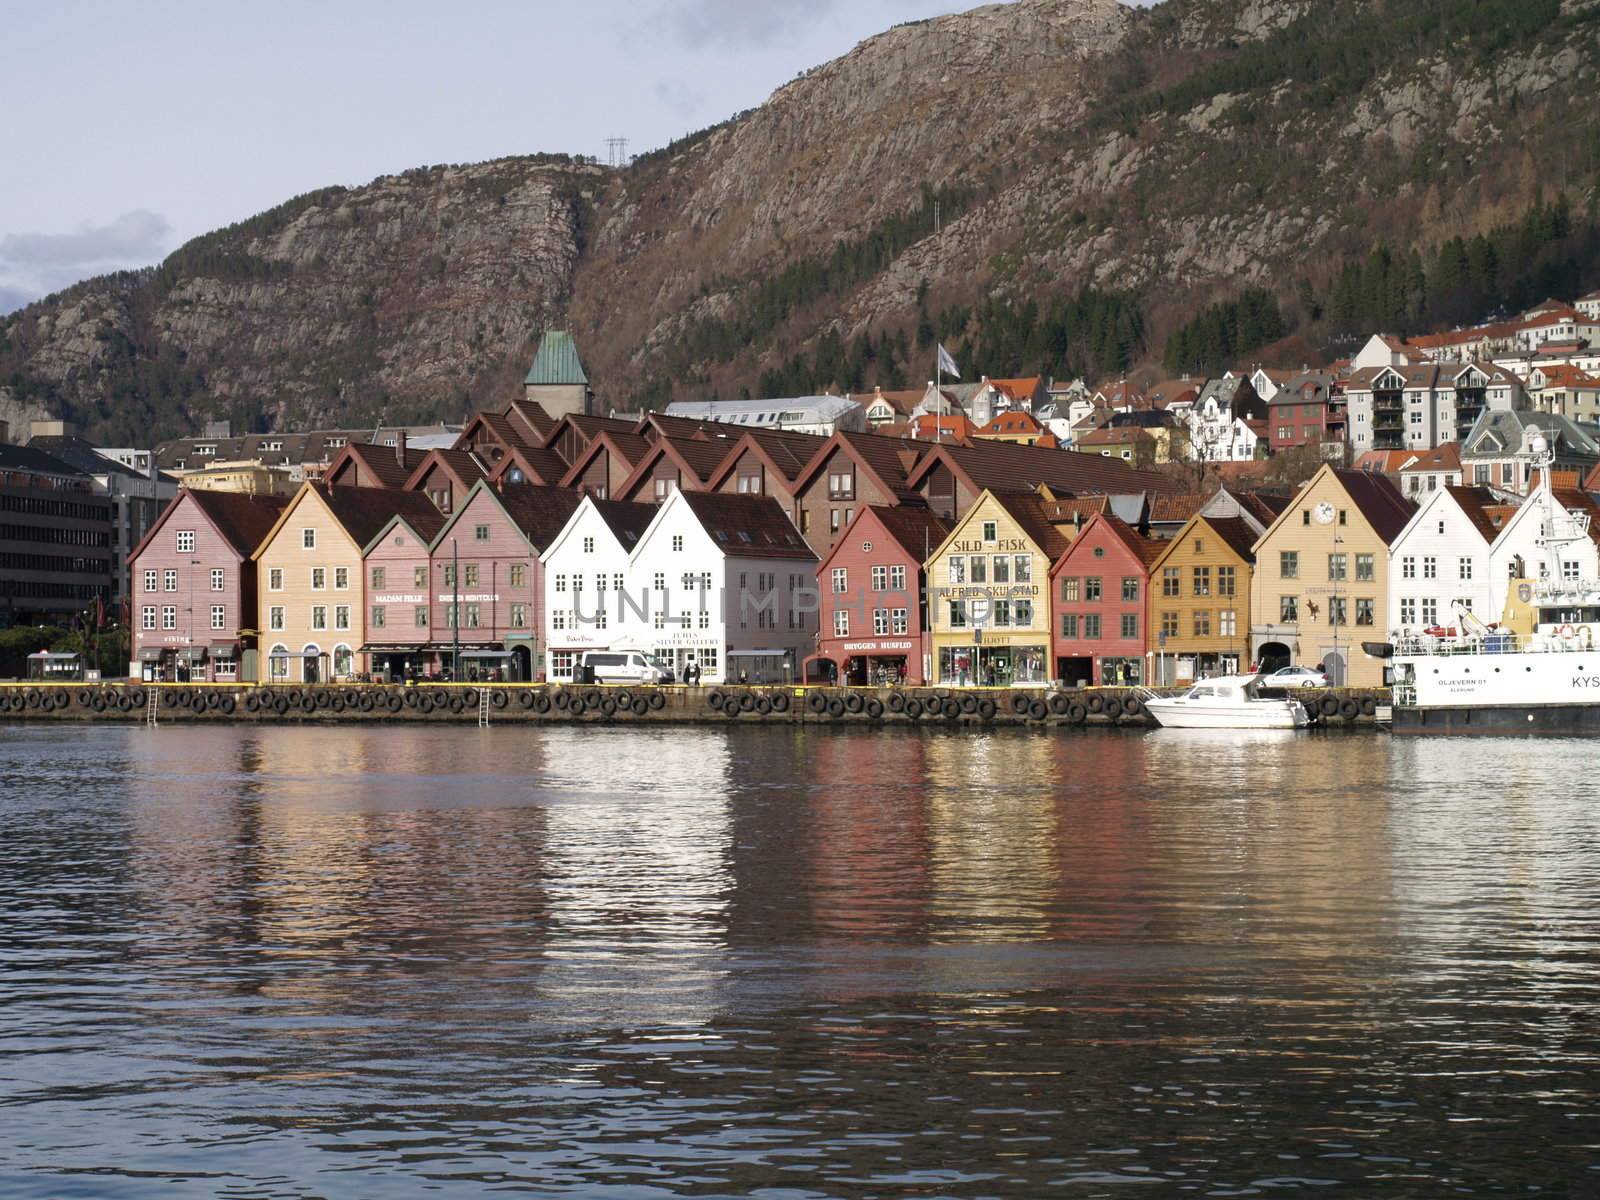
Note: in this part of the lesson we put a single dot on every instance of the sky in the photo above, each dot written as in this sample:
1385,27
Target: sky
130,128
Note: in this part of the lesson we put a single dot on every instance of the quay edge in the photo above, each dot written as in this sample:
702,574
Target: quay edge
534,703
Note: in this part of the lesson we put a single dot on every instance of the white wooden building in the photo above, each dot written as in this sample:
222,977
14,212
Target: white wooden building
1441,558
586,570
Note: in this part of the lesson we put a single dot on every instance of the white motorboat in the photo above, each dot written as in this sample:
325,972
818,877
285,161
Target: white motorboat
1228,702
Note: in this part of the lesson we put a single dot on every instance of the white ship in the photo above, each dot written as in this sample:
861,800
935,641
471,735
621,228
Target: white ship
1540,675
1229,702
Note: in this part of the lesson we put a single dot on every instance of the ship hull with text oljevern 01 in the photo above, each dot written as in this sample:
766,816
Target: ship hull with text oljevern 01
1553,692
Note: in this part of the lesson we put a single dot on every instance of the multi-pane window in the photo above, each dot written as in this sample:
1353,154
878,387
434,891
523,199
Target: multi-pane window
420,618
1002,568
1408,567
480,533
1365,612
1000,613
1338,610
1227,581
958,614
841,580
1227,623
1408,611
379,617
1430,567
899,618
1130,588
378,576
991,530
1130,625
1022,568
469,574
169,580
1091,626
147,618
473,619
319,578
519,574
588,545
1169,624
1202,622
341,616
897,578
1288,610
319,616
1171,581
880,579
677,541
1338,567
419,577
275,617
341,578
1289,564
1464,569
1364,568
185,541
841,622
217,579
1571,570
661,581
1201,578
169,616
1022,613
152,580
519,616
219,616
1069,625
308,539
880,621
1069,591
956,571
979,566
1430,611
841,485
1091,588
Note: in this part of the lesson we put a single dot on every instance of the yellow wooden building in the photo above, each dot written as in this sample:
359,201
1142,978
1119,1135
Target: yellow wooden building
1321,577
988,594
1199,593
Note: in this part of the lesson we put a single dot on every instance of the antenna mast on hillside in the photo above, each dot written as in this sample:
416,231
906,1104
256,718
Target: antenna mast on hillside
617,151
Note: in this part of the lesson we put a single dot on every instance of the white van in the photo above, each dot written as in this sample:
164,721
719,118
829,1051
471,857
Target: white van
624,666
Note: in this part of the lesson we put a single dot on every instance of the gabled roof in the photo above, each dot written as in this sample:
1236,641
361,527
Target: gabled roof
33,459
902,401
1014,423
746,526
1477,504
540,465
1066,512
1177,506
1378,500
1441,458
556,361
242,521
697,459
588,428
889,461
916,529
83,455
539,513
1262,507
1145,550
630,449
530,417
1028,511
1238,533
988,465
363,512
952,427
786,454
381,461
461,466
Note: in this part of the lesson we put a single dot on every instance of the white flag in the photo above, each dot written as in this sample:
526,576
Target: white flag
948,364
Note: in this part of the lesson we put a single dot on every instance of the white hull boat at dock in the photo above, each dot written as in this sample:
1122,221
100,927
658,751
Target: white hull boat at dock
1230,702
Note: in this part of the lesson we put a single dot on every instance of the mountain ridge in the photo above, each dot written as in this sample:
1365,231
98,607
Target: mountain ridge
1114,166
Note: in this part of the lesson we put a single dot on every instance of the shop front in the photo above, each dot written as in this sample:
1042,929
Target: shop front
762,666
989,659
877,662
689,648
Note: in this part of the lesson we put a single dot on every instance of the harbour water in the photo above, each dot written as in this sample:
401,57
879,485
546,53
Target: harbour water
790,962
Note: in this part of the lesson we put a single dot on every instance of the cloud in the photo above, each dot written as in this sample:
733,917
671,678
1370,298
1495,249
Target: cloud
678,98
35,264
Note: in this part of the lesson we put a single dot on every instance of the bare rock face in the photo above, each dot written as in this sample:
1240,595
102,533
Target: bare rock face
422,294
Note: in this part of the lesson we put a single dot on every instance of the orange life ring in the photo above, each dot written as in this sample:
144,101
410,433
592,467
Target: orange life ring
1567,631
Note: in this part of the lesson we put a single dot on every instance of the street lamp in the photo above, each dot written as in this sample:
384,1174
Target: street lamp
1333,609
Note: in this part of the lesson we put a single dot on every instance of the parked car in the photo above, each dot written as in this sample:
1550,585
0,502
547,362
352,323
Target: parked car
625,666
1305,677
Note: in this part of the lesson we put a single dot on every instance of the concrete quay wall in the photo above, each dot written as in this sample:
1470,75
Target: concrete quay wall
518,703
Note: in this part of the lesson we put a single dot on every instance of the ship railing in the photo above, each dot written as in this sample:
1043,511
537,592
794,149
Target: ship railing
1426,645
1405,695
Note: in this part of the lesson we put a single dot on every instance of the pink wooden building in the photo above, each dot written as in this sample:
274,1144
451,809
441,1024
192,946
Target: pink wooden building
194,588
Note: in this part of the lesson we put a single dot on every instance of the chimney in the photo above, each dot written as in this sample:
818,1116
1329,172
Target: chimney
400,446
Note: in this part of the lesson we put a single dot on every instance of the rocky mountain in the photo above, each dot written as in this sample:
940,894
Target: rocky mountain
1049,185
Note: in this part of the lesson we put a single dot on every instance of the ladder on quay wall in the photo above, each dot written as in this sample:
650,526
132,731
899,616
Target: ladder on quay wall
483,708
152,701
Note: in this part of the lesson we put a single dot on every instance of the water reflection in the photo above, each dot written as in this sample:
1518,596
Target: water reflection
306,962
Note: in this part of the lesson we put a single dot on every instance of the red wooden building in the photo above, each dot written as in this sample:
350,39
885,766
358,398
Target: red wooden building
872,619
1097,603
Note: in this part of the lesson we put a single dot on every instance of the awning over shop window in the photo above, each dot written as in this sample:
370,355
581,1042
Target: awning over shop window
150,654
224,650
192,653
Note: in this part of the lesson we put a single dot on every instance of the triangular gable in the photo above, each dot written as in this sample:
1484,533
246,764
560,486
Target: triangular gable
482,486
397,519
289,509
1388,379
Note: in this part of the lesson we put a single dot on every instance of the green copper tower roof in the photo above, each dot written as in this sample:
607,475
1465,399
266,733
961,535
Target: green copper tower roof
557,361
